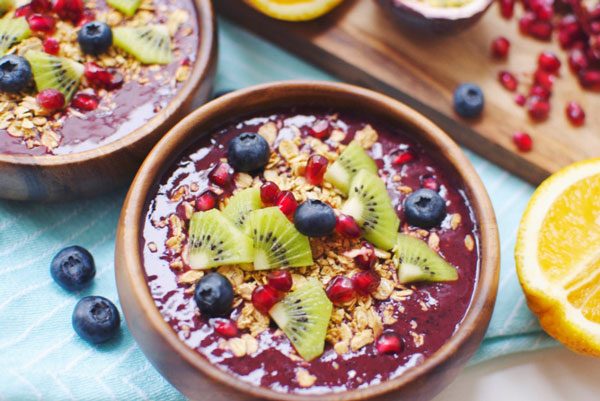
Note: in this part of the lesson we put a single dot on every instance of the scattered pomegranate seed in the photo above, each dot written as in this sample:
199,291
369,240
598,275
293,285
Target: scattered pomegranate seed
365,258
544,79
269,192
549,62
264,297
366,282
507,8
575,114
23,11
315,169
429,181
577,60
590,79
340,290
206,201
500,47
41,23
523,141
287,203
85,101
538,109
526,21
225,327
347,227
71,10
321,129
40,6
543,10
540,92
186,61
540,29
389,343
520,99
402,157
51,46
51,99
96,75
221,174
281,280
508,80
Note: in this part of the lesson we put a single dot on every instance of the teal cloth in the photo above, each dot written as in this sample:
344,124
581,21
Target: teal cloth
42,358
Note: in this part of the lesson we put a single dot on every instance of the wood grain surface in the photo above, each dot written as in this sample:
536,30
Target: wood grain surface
360,44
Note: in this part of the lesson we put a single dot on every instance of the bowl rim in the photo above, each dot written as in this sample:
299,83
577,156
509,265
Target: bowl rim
177,140
207,43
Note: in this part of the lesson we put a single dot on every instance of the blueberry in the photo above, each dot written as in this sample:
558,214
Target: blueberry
214,295
96,319
468,100
248,152
95,38
314,218
424,208
15,74
73,268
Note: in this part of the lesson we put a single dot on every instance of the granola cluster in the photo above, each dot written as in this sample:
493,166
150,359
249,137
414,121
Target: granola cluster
22,117
353,325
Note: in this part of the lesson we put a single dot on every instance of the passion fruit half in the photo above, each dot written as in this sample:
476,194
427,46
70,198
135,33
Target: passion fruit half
436,16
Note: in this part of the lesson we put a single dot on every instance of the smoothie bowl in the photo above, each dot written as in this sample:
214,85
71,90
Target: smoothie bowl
300,241
87,89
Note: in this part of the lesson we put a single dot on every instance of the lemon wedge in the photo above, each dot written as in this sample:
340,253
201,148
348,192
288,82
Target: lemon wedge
294,10
558,256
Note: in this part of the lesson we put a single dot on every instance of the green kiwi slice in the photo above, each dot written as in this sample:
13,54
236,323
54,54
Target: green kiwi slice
277,243
127,7
351,160
216,241
149,44
416,261
12,31
54,72
370,205
303,315
241,204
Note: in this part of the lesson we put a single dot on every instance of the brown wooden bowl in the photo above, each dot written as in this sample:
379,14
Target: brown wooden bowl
191,373
88,173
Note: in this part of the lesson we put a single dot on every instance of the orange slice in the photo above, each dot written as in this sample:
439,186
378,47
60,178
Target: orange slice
294,10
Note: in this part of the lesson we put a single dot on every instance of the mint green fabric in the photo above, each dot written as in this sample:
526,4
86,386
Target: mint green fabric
42,358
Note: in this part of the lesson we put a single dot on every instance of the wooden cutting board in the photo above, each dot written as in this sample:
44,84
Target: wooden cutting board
360,44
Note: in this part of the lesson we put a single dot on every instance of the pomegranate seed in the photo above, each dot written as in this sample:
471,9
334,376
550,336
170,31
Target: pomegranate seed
520,99
225,327
287,203
281,280
315,169
365,256
321,129
87,16
186,62
206,201
507,8
500,47
96,75
41,23
403,157
269,192
543,11
540,29
71,10
340,290
40,6
51,46
366,282
523,141
543,79
590,79
389,343
525,22
116,81
548,62
537,108
51,99
577,60
508,80
85,102
429,181
264,297
221,174
575,114
23,11
540,91
346,226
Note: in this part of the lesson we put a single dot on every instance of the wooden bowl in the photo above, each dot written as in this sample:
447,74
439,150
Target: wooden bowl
191,373
88,173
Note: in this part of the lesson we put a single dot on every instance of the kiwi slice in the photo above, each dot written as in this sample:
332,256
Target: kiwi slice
277,243
12,31
416,261
351,160
6,5
149,44
216,241
370,205
54,72
303,315
127,7
241,204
